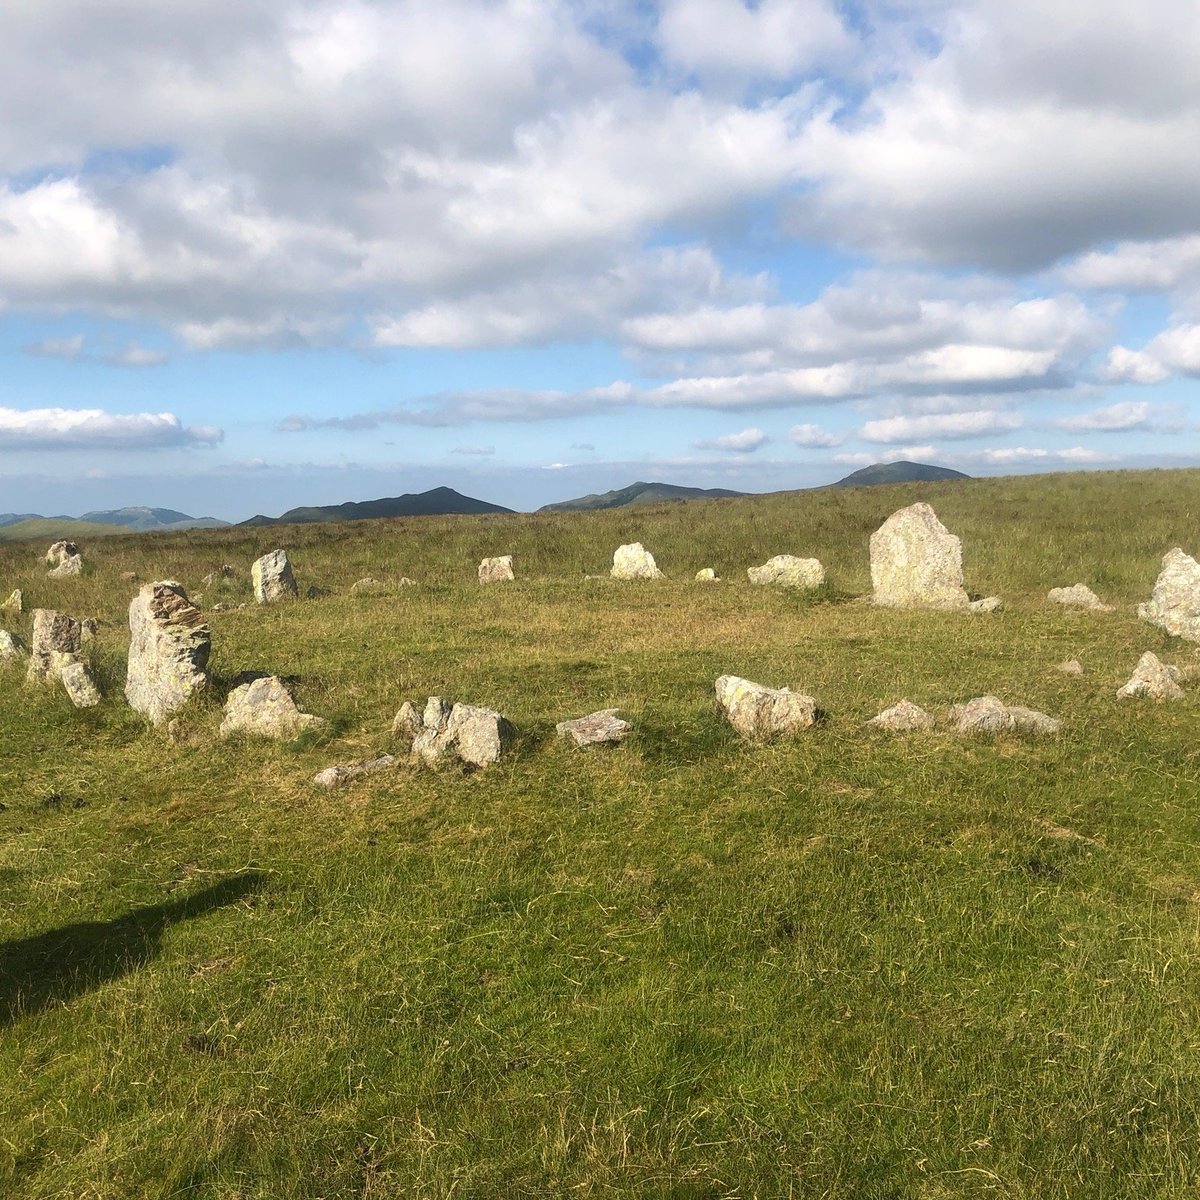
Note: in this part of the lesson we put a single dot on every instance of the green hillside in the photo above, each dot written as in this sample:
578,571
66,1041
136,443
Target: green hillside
51,529
640,493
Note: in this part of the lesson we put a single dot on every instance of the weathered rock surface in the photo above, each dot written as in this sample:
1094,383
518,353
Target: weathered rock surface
344,773
60,553
707,575
902,717
756,711
989,604
12,648
368,586
1071,667
265,708
88,628
1078,596
988,714
71,565
168,650
916,562
787,570
496,570
406,724
55,644
272,578
594,729
477,736
81,687
14,604
1153,679
634,561
1174,605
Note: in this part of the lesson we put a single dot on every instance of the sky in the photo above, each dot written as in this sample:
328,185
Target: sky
263,253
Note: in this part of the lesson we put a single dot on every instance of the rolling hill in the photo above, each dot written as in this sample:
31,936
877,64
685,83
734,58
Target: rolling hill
640,493
437,502
898,472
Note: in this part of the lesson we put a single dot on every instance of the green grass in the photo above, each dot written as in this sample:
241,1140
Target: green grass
51,530
849,965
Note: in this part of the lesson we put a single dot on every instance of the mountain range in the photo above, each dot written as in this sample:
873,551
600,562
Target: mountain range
438,501
640,493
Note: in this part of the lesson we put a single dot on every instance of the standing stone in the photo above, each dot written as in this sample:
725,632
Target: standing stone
1079,596
594,729
789,571
14,604
916,562
1174,604
60,553
265,707
12,649
756,711
902,718
1154,679
272,578
634,561
496,570
81,687
55,644
168,650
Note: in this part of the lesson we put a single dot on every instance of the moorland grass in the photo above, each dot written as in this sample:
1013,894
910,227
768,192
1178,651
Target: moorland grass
848,965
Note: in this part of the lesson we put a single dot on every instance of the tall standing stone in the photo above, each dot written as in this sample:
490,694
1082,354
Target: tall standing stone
272,578
916,562
1174,604
55,644
168,650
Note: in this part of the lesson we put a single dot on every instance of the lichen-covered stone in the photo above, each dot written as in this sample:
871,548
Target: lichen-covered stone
265,708
916,562
81,687
272,578
756,711
902,718
594,729
12,649
496,570
989,714
1077,596
168,650
477,736
55,644
344,773
1153,679
786,570
634,561
1174,605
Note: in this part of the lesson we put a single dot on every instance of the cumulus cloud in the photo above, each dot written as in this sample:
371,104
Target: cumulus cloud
1021,455
1157,266
94,429
1113,418
743,442
813,436
980,423
1132,366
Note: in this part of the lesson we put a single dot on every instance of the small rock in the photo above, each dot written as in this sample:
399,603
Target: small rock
1154,679
12,649
496,570
1078,596
756,711
129,576
707,575
634,562
264,707
1071,667
55,644
14,604
595,728
81,687
345,773
989,604
88,628
789,571
272,578
916,562
368,587
902,717
988,714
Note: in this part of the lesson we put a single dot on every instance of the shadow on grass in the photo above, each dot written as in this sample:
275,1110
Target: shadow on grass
51,968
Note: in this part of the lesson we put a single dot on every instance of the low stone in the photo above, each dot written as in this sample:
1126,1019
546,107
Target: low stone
902,717
477,736
404,581
272,578
169,647
226,607
634,561
989,714
1071,667
68,566
1174,605
315,591
55,644
12,649
594,729
14,604
989,604
1078,596
496,570
1153,679
916,562
265,708
344,773
81,687
756,711
787,570
707,575
368,587
88,628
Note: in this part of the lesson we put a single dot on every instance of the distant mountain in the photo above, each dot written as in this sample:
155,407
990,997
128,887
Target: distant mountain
115,520
898,472
640,493
7,519
141,519
437,502
52,529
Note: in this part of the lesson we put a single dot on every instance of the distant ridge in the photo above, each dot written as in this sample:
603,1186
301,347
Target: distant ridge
898,472
144,520
115,520
437,502
640,493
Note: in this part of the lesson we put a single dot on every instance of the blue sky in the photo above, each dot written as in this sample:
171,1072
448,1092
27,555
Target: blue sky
259,253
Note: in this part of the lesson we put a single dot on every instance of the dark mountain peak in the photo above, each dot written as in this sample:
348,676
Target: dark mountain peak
898,472
640,493
438,501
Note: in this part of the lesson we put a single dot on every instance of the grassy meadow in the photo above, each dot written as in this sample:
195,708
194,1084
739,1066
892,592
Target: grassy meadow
850,965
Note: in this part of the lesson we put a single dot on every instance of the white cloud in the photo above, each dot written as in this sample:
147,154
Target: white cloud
1157,266
1021,455
744,441
813,436
68,349
134,355
93,428
1112,418
475,451
980,423
1132,366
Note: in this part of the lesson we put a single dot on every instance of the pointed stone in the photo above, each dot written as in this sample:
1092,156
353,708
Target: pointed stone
1153,679
406,724
634,561
14,604
12,649
168,651
272,578
916,562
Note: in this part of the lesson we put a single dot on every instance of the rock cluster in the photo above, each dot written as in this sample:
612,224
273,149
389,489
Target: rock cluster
789,571
634,561
272,578
594,729
1078,596
1174,605
496,570
265,708
756,711
63,558
1153,679
916,562
168,650
476,736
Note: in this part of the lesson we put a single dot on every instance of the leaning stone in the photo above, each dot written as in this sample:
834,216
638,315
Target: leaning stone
1174,604
916,562
1154,679
707,575
1078,596
12,649
168,651
902,717
345,773
988,714
14,604
1071,667
595,728
406,724
756,711
634,561
989,604
81,687
272,578
265,708
789,571
60,553
496,570
55,644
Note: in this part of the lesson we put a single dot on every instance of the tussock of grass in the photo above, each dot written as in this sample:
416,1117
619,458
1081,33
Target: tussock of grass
852,965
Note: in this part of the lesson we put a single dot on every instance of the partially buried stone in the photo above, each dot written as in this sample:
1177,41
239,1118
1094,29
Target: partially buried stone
707,575
496,570
902,718
916,562
81,687
1071,667
1077,596
989,604
989,714
264,707
406,724
787,570
88,628
168,651
594,729
634,561
12,649
55,644
756,711
1153,679
1174,604
272,578
368,587
344,773
14,604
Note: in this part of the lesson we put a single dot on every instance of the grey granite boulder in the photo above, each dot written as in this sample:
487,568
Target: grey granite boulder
265,708
55,644
81,687
1153,679
988,714
1174,605
902,718
272,578
496,570
756,711
1077,596
634,561
168,650
594,729
916,562
787,570
477,736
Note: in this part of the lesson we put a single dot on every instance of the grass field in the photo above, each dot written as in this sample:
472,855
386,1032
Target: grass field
850,965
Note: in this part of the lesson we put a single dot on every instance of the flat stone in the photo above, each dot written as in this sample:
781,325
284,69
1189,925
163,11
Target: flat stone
1174,604
169,647
344,773
786,570
756,711
81,687
988,714
902,718
368,587
989,604
265,708
594,729
272,578
634,561
1153,679
1078,596
55,644
707,575
496,570
1071,667
12,649
916,562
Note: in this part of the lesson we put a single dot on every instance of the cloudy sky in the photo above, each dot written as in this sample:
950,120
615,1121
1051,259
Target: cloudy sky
257,253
